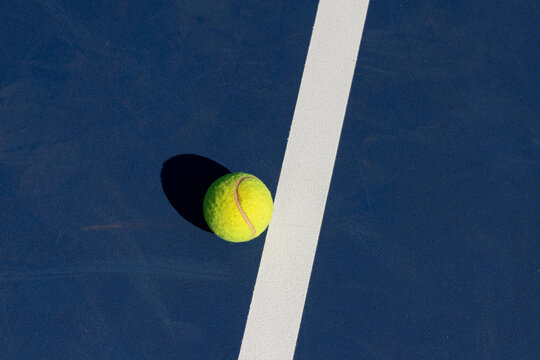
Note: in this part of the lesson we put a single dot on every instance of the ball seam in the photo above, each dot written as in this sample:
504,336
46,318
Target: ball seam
242,212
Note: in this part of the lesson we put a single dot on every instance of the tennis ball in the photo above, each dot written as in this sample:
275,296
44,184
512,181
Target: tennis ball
238,207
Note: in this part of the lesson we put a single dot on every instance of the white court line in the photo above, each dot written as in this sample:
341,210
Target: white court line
282,282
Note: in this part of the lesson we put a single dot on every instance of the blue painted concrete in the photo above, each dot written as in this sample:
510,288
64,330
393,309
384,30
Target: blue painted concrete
429,246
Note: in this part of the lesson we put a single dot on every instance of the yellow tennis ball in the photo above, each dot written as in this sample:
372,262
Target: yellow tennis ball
238,207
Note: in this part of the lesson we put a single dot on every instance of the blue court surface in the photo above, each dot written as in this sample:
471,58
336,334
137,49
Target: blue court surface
115,116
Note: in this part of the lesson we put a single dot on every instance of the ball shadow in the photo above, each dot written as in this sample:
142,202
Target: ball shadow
185,179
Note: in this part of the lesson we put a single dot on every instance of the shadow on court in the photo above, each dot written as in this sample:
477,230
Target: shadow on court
185,179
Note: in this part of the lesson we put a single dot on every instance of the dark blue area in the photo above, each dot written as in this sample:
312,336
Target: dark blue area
95,97
430,243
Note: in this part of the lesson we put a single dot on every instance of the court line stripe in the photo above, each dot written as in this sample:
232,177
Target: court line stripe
280,290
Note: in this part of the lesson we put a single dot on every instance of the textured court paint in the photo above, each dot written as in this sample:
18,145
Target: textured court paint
280,290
